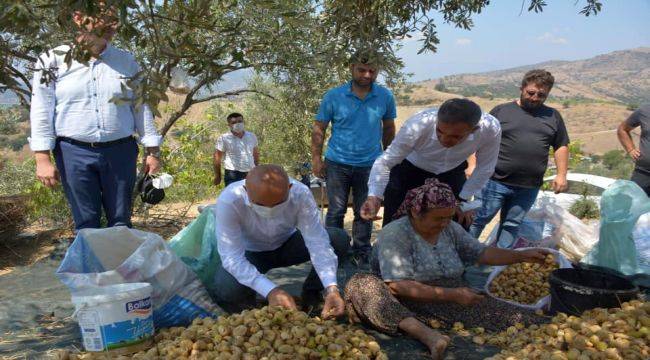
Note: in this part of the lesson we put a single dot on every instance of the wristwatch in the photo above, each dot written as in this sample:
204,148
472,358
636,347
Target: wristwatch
330,289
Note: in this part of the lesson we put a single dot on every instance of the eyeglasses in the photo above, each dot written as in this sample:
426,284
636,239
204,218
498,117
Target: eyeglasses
540,94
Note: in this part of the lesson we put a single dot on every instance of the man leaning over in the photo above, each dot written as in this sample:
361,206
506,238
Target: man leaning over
435,143
269,221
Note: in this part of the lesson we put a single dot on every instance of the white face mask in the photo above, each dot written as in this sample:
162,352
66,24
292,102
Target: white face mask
269,212
238,127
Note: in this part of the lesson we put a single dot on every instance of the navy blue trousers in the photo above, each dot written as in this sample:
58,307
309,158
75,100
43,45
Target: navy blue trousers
98,178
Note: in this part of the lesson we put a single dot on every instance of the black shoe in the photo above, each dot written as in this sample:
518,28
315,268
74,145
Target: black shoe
361,260
311,302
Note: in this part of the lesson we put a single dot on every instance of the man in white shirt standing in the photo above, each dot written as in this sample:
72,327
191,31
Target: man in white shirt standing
435,143
237,150
270,221
91,137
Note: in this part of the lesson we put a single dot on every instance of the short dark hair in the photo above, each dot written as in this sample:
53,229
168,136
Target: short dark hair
234,115
366,57
460,110
538,77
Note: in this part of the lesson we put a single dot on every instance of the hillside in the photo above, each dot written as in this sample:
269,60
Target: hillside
592,123
620,76
593,96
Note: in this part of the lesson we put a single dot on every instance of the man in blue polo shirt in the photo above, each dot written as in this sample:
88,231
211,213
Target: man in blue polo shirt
362,114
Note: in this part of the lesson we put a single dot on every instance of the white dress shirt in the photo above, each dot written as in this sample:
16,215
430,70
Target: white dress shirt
417,142
240,229
77,103
238,152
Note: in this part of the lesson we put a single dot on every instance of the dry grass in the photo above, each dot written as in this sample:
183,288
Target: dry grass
12,215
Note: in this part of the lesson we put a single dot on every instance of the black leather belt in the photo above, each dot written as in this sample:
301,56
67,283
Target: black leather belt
97,144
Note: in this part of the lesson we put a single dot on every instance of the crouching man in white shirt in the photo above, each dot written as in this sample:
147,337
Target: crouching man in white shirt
269,221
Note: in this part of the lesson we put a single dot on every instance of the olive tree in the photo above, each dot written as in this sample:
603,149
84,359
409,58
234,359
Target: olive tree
291,41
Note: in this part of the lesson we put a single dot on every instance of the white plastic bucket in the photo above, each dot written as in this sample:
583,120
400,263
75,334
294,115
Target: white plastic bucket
115,316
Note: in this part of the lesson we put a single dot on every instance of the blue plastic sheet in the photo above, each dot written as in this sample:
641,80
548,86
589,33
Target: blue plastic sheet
196,245
621,205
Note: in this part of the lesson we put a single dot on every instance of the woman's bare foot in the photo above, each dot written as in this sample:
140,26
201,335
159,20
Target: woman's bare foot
435,341
437,345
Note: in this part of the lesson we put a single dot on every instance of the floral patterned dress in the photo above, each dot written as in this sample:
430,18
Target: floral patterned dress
401,254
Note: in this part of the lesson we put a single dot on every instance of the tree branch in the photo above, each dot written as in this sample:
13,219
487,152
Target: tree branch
231,93
19,54
21,76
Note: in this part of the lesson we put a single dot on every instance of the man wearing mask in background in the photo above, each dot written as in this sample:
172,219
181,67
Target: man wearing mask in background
92,138
270,221
529,128
362,114
238,151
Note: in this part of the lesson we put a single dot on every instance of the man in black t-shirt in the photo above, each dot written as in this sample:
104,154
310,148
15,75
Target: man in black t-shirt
528,130
641,156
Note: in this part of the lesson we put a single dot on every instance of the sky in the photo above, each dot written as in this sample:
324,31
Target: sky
503,38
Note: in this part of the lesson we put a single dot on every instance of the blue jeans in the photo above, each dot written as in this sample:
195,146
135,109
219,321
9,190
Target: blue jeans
340,178
96,178
513,201
235,297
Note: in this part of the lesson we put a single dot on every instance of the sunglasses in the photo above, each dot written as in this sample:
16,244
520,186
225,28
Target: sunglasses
540,94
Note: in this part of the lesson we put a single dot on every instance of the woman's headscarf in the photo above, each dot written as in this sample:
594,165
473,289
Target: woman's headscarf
432,195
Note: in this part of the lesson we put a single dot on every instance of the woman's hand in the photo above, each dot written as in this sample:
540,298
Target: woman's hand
466,296
334,305
532,255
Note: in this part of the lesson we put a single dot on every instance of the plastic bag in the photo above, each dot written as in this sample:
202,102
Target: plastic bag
551,226
120,255
641,236
562,262
196,245
621,205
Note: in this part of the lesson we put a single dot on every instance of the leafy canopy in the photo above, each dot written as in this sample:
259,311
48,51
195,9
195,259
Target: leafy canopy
291,42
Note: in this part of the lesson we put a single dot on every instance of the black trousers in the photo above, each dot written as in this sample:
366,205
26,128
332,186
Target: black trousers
230,176
642,178
407,176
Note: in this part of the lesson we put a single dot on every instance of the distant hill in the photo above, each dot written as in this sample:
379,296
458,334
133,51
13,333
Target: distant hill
619,76
8,98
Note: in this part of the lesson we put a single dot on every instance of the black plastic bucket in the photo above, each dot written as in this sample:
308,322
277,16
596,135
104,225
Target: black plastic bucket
576,290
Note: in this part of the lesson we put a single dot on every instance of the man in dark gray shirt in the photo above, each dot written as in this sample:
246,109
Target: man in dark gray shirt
528,130
641,156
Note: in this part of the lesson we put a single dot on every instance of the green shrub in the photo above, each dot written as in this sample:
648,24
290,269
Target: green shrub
440,87
10,118
18,143
585,208
46,206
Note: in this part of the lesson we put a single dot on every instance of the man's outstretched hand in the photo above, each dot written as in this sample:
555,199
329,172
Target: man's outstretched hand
370,208
279,297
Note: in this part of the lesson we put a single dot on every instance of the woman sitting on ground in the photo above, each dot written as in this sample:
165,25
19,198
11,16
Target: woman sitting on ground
417,264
